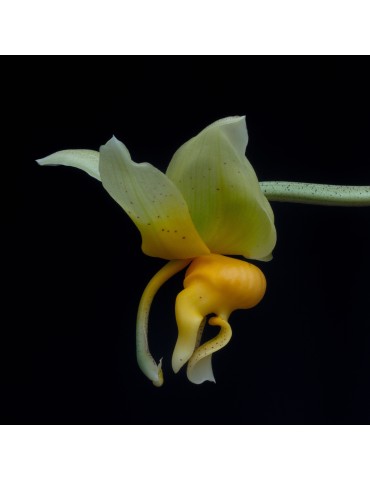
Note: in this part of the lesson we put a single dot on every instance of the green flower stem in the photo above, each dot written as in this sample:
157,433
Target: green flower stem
145,360
317,194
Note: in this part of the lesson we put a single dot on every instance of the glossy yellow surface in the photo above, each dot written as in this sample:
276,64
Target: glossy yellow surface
216,285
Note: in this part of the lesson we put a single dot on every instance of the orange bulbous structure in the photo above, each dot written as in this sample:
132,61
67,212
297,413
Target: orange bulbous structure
218,285
241,284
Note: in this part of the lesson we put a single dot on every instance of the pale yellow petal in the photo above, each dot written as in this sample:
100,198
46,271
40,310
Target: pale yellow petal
86,160
153,202
222,191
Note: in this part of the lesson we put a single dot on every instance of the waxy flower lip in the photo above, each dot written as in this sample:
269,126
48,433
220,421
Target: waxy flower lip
217,285
209,200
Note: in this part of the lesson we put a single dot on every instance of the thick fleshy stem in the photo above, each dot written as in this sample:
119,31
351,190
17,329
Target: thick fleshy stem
145,360
317,194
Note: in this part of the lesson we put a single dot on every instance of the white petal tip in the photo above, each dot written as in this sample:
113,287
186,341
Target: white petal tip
158,381
201,371
45,161
177,364
86,160
199,381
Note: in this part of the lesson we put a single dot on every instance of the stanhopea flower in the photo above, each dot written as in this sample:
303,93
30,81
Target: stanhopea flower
208,204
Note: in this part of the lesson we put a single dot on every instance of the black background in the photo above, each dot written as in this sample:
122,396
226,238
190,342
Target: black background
73,270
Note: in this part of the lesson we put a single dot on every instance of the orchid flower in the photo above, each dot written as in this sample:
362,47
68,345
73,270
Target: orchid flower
207,206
